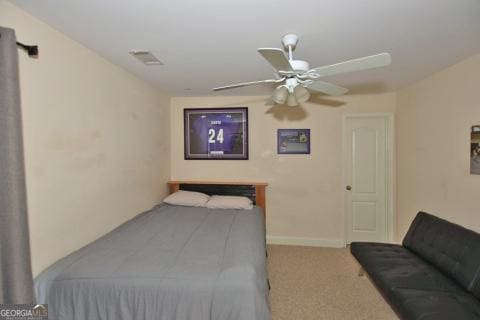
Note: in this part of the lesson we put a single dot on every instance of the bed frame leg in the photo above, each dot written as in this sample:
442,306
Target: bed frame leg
361,272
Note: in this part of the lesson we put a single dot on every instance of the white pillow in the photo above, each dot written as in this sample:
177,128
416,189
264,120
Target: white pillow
187,198
229,202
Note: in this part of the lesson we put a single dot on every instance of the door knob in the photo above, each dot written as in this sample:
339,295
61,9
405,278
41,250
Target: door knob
349,188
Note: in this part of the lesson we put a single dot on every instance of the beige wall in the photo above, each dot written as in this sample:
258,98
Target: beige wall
96,140
434,117
305,195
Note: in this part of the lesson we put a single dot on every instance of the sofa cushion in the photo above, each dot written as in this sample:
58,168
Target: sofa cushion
451,248
392,266
434,305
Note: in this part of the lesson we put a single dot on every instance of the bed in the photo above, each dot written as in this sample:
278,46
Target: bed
171,262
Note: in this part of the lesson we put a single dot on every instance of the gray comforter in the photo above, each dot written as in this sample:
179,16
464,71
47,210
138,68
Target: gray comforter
171,262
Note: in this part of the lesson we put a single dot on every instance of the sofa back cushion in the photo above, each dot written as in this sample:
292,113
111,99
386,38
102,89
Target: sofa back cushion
451,248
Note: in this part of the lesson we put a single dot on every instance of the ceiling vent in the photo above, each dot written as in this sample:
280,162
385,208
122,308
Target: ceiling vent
146,57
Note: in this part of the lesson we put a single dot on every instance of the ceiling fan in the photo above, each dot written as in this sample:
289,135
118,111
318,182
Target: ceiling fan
296,79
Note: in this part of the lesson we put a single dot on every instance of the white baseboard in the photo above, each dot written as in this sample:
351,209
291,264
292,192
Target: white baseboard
309,242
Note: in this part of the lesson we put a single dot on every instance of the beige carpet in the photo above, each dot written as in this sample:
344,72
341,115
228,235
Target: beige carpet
321,283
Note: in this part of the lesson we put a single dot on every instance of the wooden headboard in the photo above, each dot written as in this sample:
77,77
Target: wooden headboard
253,190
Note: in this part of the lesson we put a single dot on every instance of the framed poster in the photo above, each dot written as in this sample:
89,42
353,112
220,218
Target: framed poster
216,134
475,150
293,141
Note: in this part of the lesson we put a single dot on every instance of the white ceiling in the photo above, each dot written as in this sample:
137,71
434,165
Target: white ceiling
213,42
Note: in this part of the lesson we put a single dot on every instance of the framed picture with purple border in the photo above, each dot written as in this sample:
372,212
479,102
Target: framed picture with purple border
475,150
216,133
293,141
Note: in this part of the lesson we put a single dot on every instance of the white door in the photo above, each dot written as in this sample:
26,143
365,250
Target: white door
366,177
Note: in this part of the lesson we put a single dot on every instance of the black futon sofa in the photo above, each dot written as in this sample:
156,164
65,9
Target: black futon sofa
433,275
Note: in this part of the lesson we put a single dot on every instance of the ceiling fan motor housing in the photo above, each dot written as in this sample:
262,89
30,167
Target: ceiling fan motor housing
299,65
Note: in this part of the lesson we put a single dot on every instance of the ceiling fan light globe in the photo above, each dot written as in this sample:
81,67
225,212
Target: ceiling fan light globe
292,101
280,95
301,94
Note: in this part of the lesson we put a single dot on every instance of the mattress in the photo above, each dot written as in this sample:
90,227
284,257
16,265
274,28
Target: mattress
171,262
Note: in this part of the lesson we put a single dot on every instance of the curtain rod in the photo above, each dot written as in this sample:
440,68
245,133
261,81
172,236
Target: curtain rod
31,50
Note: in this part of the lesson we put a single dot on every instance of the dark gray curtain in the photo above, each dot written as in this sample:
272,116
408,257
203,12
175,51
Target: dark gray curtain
15,274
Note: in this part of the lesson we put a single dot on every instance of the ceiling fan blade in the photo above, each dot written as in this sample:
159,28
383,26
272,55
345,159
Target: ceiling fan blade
276,58
238,85
328,88
375,61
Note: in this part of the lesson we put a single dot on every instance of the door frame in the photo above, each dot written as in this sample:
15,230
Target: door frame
390,171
